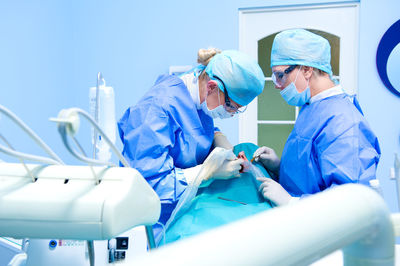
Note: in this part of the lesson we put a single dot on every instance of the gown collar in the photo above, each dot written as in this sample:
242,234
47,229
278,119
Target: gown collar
327,93
191,82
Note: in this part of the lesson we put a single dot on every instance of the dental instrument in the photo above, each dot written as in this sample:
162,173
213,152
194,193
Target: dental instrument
232,200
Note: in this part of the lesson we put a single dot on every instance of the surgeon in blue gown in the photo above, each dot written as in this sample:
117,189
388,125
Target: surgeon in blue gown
172,128
331,142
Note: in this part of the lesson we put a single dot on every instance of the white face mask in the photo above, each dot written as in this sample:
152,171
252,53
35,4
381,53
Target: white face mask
217,112
293,97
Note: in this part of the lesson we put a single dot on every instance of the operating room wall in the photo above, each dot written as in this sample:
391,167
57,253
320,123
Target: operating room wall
381,107
51,51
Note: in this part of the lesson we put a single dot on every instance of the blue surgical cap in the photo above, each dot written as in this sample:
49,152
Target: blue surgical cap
242,76
301,47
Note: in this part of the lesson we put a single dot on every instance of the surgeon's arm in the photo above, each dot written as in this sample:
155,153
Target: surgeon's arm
220,140
350,158
146,134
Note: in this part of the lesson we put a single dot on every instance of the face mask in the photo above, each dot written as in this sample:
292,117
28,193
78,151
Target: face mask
217,112
291,95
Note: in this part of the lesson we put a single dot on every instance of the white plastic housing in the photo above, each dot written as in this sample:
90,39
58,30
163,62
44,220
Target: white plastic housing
352,217
106,118
77,209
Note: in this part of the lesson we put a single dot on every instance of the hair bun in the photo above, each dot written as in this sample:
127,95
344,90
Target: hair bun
204,55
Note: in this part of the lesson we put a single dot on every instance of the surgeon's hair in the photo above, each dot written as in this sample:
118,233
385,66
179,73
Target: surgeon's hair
319,72
205,55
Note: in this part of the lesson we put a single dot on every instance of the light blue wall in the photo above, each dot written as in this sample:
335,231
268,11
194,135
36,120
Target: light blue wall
51,51
381,107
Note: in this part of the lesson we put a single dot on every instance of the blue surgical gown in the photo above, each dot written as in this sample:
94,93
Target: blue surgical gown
331,144
165,132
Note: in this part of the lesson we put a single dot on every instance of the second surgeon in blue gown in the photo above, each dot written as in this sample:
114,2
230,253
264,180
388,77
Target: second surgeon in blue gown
331,142
172,128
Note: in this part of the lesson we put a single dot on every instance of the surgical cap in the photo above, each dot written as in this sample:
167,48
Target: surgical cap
241,75
301,47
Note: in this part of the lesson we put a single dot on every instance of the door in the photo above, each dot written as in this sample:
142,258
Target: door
269,120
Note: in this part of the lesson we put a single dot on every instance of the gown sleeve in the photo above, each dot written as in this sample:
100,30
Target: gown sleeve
148,133
348,153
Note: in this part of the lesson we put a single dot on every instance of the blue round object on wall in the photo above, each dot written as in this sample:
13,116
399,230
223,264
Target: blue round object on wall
386,49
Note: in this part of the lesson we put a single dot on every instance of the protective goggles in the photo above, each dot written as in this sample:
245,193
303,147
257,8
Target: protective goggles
228,104
279,78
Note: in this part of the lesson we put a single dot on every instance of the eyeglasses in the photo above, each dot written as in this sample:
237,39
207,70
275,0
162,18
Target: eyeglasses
279,77
228,104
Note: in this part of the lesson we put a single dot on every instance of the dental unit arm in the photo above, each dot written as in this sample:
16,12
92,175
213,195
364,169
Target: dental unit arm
63,201
68,124
9,151
77,208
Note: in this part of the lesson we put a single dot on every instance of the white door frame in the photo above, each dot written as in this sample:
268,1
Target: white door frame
255,24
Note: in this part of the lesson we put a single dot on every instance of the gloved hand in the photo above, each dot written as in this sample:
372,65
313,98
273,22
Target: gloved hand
268,158
273,191
220,164
229,169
